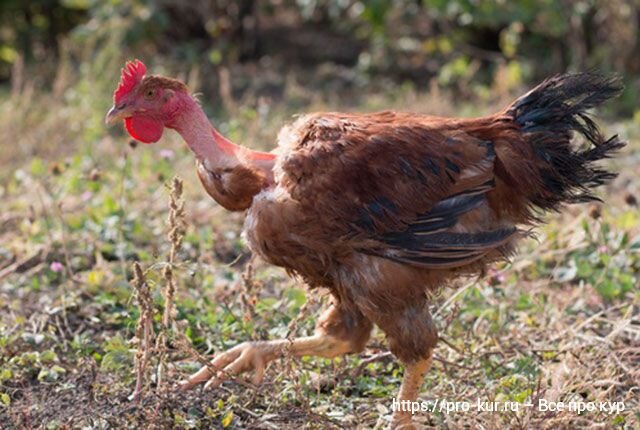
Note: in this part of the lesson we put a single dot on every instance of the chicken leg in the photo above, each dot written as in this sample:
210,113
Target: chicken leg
409,390
256,355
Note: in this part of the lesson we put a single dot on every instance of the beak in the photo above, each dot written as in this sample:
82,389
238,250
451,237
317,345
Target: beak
115,114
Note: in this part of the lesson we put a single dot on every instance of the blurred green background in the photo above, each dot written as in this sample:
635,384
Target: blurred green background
476,47
270,59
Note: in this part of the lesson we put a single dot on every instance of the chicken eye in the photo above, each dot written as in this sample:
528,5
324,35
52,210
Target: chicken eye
149,94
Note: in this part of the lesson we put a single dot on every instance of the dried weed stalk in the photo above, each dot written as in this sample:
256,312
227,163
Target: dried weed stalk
172,332
248,296
144,329
147,340
292,329
177,227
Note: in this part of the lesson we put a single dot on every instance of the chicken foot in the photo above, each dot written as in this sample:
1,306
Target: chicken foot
256,355
409,390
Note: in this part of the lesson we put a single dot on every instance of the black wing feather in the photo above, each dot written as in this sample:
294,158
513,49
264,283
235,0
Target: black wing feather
429,240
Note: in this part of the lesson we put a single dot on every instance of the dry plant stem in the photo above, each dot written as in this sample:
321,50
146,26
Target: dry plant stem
304,311
290,353
168,317
161,351
248,295
176,226
291,331
144,329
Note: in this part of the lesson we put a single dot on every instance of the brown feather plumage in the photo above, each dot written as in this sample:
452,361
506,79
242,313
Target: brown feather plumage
234,187
382,208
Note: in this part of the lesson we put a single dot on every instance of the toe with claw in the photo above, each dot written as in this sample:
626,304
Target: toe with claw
242,358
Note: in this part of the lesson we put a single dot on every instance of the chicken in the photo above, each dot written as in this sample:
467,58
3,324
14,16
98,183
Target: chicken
384,208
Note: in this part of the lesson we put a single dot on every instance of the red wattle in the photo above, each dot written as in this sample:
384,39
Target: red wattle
146,130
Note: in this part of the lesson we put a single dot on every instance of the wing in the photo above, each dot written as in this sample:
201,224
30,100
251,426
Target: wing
404,187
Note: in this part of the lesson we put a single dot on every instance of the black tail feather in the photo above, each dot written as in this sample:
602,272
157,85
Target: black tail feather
549,115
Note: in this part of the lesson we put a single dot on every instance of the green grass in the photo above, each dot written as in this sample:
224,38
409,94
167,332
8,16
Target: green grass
559,322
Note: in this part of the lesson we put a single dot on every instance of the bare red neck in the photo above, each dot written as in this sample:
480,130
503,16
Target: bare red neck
212,149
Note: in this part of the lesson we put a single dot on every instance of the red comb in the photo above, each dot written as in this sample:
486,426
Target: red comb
132,73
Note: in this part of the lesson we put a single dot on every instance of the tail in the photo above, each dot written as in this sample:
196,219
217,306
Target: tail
548,117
